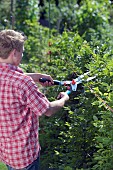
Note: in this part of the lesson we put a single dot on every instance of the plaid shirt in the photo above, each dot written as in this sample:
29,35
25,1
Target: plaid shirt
21,104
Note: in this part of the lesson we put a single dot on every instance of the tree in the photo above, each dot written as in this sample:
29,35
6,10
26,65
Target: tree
5,14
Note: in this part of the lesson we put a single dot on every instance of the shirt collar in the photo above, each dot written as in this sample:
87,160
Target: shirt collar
11,67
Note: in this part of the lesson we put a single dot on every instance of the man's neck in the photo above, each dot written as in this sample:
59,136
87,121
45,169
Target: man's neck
8,61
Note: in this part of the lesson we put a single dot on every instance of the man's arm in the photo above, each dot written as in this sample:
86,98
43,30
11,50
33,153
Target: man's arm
57,104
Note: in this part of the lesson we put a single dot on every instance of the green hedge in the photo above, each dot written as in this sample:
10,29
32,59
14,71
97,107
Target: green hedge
80,135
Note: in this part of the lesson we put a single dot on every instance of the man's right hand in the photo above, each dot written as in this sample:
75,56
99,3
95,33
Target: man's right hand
63,95
57,104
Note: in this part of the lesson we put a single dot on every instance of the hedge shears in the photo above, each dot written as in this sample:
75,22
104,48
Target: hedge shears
71,85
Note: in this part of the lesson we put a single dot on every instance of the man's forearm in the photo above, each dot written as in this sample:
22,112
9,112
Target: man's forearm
34,76
55,106
37,76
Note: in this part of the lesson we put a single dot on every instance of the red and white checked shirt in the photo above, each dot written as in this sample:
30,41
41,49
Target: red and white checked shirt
21,104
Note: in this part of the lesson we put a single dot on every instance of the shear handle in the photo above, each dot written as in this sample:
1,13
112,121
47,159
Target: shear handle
68,92
43,80
56,82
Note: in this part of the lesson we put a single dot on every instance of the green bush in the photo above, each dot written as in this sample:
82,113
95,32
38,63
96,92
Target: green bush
69,139
80,135
75,133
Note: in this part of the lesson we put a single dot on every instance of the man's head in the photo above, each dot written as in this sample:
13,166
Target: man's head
11,43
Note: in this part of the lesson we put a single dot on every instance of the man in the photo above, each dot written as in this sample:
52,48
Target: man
21,104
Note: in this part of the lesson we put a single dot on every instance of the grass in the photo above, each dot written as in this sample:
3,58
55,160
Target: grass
2,166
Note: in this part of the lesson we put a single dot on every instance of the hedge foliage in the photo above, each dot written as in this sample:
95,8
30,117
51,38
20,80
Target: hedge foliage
80,136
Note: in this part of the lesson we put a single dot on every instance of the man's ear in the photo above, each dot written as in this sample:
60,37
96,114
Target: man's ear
12,53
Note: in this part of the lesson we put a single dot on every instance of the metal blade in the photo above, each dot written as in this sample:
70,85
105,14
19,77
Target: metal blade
90,78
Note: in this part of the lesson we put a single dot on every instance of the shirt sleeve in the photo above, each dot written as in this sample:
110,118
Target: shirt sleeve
34,99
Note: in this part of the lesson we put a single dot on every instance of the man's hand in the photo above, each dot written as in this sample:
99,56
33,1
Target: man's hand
63,95
37,76
56,105
47,83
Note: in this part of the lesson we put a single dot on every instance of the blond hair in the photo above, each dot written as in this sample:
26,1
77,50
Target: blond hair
9,40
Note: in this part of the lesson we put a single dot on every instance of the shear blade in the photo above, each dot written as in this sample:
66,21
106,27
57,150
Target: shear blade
90,78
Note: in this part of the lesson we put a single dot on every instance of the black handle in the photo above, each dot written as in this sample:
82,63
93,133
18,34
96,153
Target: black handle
43,80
